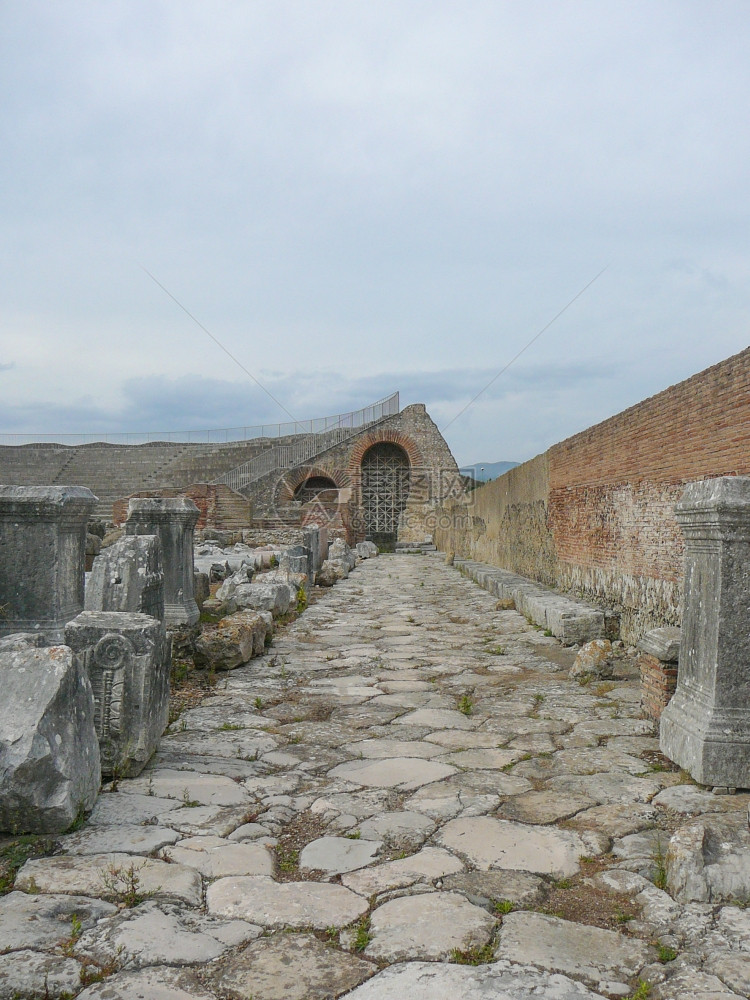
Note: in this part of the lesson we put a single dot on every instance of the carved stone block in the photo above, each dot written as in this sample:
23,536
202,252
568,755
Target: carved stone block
42,557
127,657
173,520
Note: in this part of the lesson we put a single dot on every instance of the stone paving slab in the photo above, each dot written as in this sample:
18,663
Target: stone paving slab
106,875
491,843
288,904
291,967
500,981
591,953
429,926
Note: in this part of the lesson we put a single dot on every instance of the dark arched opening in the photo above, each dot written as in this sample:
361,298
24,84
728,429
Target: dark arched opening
313,487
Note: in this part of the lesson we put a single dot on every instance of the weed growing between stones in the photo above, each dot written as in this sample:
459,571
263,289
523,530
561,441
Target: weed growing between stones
659,869
123,884
666,954
474,956
502,906
227,727
465,704
362,937
643,990
76,929
187,802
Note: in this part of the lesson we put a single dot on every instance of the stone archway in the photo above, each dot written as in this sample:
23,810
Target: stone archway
385,483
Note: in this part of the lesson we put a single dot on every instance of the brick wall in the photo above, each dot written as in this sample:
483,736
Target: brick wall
603,522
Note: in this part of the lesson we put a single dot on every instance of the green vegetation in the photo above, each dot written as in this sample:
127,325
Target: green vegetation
465,704
474,956
362,937
124,885
502,906
666,954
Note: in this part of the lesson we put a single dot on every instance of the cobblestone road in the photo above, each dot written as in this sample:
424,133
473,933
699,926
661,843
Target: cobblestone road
408,797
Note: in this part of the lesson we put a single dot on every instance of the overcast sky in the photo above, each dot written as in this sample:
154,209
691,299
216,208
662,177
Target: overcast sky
361,196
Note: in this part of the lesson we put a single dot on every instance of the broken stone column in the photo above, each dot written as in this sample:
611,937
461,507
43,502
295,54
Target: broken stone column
173,520
128,576
42,557
657,663
705,728
49,753
127,657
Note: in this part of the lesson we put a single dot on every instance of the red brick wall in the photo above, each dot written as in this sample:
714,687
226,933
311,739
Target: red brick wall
609,523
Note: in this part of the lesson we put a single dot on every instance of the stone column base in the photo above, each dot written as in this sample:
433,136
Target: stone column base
712,745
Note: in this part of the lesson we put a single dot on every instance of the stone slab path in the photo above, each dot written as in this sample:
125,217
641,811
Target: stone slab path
407,797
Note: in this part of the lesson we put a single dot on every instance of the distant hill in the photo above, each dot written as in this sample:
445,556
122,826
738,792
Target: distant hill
484,471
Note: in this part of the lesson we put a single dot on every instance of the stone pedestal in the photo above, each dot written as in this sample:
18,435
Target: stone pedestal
706,726
42,557
173,520
127,658
128,576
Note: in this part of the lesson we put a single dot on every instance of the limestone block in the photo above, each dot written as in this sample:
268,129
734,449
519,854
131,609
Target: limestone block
233,641
232,581
297,559
22,640
594,659
127,657
42,557
331,572
273,597
706,726
366,550
173,520
663,643
338,550
128,576
49,754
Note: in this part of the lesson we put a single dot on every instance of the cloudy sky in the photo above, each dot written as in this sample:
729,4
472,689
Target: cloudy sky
356,197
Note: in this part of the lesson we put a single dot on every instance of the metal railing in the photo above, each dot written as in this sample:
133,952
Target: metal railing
224,435
289,456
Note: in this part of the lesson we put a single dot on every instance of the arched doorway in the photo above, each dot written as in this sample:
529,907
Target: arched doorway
385,489
313,486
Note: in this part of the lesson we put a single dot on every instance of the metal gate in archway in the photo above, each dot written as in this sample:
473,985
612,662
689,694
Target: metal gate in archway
386,480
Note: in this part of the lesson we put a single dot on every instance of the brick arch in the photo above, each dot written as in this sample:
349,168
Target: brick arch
295,477
386,436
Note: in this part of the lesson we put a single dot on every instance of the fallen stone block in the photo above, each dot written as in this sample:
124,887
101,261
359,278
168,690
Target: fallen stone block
128,659
593,660
338,550
128,576
240,578
233,641
49,753
331,572
366,550
273,597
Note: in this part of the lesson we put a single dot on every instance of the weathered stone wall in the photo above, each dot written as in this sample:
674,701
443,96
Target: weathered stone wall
603,523
505,523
